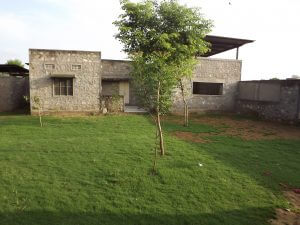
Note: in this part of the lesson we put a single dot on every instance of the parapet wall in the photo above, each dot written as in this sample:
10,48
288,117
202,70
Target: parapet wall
12,92
271,99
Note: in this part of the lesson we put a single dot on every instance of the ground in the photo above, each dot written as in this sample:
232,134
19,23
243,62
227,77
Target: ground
96,170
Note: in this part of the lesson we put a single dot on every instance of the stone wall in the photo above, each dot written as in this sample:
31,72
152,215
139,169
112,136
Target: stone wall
112,104
88,88
211,70
115,69
279,101
86,84
110,88
12,92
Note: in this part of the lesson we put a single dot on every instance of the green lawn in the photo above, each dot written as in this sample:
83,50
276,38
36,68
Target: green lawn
96,170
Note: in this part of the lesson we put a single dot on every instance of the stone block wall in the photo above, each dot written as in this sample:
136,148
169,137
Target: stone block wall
110,88
115,69
88,87
113,72
211,70
112,104
86,84
12,92
283,106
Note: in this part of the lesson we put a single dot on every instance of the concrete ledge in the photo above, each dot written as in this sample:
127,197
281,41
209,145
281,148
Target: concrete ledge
66,113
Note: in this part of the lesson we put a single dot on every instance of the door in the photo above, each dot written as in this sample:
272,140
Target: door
124,90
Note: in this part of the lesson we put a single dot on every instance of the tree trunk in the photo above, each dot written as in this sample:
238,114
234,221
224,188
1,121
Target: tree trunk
187,115
41,124
185,105
161,139
155,153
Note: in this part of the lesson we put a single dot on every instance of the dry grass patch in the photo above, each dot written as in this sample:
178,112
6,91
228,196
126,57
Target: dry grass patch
289,216
247,129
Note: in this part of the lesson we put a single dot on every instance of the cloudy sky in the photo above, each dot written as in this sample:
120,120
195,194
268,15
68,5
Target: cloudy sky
87,25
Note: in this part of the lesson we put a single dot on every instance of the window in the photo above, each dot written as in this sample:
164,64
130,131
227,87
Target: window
63,86
49,66
76,67
202,88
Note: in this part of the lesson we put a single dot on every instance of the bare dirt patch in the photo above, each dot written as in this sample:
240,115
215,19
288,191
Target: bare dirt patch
193,137
289,216
252,130
245,128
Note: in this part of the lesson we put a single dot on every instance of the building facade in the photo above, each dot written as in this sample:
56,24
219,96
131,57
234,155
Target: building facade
78,81
65,81
213,86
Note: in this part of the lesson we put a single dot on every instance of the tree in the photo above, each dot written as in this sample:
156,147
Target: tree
162,39
17,62
154,81
37,104
184,73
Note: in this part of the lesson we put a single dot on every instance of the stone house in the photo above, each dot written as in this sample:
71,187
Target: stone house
77,81
81,81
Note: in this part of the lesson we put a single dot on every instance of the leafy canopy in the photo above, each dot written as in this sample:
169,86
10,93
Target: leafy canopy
162,39
150,27
150,73
15,62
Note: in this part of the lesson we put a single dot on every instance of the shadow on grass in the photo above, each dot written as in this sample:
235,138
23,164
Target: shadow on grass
273,163
248,216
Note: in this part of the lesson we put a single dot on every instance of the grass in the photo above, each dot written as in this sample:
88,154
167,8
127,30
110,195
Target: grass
96,170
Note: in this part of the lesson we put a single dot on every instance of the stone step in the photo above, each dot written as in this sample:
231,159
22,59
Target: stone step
134,109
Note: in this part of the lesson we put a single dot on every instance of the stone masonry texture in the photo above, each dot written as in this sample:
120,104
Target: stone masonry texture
284,108
88,88
211,70
86,84
115,69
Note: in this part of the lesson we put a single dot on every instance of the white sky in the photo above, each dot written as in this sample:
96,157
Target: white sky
87,25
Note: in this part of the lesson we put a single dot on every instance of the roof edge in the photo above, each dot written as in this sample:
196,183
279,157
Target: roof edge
62,50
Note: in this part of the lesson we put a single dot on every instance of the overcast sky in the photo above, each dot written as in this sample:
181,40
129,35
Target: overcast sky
87,25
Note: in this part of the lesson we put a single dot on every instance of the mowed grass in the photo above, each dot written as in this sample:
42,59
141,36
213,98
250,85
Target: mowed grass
96,170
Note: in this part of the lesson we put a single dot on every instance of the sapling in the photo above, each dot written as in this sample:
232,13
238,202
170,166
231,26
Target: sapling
162,38
37,104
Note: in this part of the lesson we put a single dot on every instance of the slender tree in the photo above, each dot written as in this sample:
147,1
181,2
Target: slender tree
37,104
161,39
184,74
154,81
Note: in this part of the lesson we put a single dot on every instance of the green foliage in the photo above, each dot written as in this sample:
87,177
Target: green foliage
17,62
37,104
148,72
94,170
162,39
149,27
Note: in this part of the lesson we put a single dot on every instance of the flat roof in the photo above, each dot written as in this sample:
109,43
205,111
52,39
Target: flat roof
14,70
63,50
221,44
